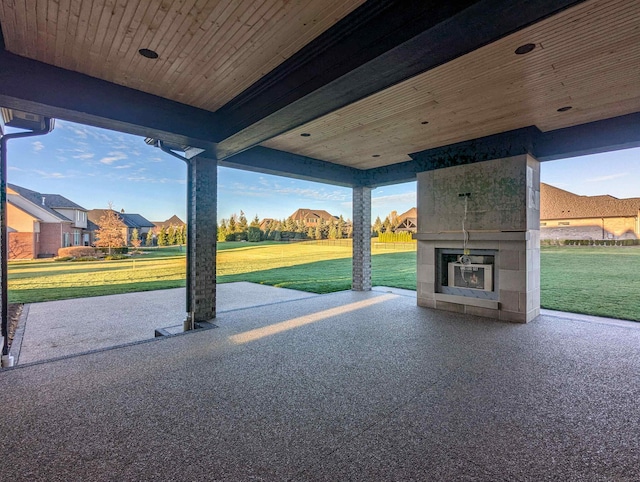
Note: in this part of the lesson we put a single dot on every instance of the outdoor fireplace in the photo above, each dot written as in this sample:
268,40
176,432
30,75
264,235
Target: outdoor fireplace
479,240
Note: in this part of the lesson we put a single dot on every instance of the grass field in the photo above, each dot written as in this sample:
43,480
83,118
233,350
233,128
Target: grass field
599,281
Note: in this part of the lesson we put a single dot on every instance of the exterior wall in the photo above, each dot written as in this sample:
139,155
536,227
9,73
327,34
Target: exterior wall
51,237
593,228
77,217
20,220
503,214
21,245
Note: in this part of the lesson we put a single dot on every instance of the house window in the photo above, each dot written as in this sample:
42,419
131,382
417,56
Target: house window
65,240
565,223
76,238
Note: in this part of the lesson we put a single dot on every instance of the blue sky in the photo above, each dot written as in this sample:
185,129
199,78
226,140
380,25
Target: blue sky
93,167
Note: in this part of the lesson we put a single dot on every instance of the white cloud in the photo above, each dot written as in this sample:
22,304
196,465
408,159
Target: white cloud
124,166
405,197
37,146
51,175
113,157
608,177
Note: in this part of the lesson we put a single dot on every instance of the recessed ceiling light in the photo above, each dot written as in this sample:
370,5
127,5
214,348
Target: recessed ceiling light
305,134
376,155
424,123
525,49
150,54
565,108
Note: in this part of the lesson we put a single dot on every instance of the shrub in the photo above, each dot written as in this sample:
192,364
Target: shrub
120,250
254,234
63,258
115,256
77,252
85,258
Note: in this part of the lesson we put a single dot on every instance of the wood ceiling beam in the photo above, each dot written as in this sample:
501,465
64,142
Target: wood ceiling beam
378,45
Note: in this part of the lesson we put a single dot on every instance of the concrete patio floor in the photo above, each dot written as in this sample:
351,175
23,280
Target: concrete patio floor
68,327
346,386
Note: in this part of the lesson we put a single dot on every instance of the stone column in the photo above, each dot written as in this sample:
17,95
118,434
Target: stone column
202,236
361,277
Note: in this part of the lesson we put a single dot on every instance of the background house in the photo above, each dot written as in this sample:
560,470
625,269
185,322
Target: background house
40,224
565,215
129,223
174,221
408,221
312,217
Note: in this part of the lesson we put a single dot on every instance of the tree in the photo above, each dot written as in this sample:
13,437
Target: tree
135,239
223,230
242,223
333,231
253,234
172,238
109,232
162,237
255,223
377,226
340,228
232,225
149,240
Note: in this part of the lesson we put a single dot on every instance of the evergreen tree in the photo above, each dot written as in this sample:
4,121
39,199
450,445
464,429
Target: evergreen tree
311,233
171,236
222,230
183,234
149,239
340,228
333,231
322,225
242,223
255,223
232,225
386,225
135,238
162,237
377,226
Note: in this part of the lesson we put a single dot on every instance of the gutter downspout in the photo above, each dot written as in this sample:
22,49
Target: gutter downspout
189,323
6,360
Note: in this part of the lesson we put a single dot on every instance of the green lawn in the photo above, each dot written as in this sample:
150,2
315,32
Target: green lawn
600,281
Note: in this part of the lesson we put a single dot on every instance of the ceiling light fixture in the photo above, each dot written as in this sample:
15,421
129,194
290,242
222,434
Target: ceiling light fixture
148,53
305,134
565,108
525,49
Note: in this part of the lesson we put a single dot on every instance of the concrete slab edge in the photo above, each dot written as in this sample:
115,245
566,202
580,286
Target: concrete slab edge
591,319
16,344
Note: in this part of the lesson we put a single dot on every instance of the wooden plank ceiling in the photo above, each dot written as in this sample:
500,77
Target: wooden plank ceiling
586,57
210,51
